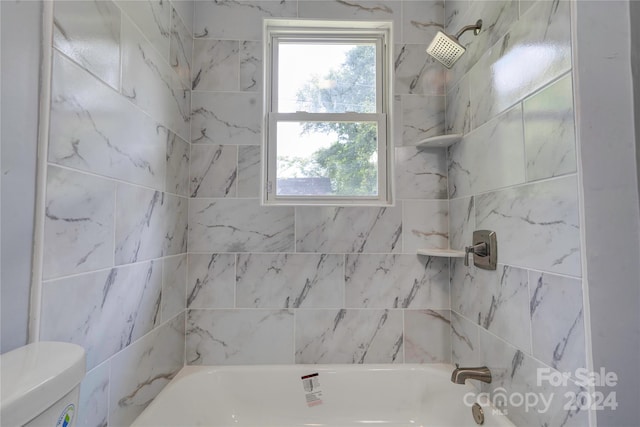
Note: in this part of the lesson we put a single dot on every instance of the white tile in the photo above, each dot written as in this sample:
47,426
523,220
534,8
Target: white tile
216,65
249,172
290,281
421,173
93,406
251,66
557,321
150,83
464,341
427,336
537,225
348,229
78,223
239,225
141,371
89,33
96,130
425,224
153,18
112,309
348,336
211,281
181,49
174,286
421,20
185,9
549,133
488,158
422,117
177,169
416,72
239,337
149,224
462,222
234,20
396,281
226,118
214,170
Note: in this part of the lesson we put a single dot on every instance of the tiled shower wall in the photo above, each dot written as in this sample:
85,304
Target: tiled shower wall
515,173
115,230
312,284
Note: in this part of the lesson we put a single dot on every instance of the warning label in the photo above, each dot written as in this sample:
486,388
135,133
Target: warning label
311,386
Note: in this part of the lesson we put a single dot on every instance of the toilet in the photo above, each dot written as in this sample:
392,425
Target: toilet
41,384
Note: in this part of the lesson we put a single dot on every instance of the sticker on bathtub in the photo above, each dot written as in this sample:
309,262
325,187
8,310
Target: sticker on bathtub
311,386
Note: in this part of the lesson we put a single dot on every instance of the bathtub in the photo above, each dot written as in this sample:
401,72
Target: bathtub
315,395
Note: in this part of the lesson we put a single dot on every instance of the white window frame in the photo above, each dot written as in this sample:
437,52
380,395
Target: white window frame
309,31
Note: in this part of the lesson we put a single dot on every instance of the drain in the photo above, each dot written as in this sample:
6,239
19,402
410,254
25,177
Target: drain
478,414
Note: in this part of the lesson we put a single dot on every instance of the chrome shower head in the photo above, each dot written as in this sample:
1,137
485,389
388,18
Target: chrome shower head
447,49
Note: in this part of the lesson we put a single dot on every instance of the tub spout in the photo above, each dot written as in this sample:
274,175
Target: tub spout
480,373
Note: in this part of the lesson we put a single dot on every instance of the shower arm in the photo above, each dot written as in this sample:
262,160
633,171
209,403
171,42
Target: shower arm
476,29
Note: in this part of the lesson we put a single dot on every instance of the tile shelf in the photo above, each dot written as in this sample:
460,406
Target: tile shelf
440,141
445,253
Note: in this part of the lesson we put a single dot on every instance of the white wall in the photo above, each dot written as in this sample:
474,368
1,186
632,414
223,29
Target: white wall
607,147
21,23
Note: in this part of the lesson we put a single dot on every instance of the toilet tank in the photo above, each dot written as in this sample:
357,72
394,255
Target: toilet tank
40,384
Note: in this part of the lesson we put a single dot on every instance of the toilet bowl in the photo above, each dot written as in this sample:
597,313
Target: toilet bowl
41,384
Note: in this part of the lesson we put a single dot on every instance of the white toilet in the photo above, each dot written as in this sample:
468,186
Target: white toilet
41,384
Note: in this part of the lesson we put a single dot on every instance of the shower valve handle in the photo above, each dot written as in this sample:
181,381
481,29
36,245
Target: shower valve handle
479,249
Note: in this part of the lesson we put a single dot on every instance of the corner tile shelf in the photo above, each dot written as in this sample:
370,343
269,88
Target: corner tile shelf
445,253
440,141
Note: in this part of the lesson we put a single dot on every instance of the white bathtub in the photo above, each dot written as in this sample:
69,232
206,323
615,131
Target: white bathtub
339,395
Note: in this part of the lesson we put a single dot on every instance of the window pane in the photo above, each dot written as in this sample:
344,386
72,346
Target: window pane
326,78
327,159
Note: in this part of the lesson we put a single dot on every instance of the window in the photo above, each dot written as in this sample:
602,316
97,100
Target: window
327,132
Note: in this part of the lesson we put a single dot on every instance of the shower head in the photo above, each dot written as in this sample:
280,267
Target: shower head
447,49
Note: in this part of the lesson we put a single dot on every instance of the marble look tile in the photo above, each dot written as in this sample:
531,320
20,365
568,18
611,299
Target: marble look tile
89,33
215,65
239,225
153,18
211,281
78,223
458,112
185,9
427,336
422,117
464,341
463,289
96,130
251,66
421,20
150,83
549,134
398,120
141,371
537,224
354,10
474,163
534,53
149,224
174,286
416,72
503,360
498,17
290,281
226,118
177,169
349,336
396,281
214,169
502,305
235,20
112,308
421,173
348,229
249,158
462,222
425,224
93,406
557,321
239,337
180,49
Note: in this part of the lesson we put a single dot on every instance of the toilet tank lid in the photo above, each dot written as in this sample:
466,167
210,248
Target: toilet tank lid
36,376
